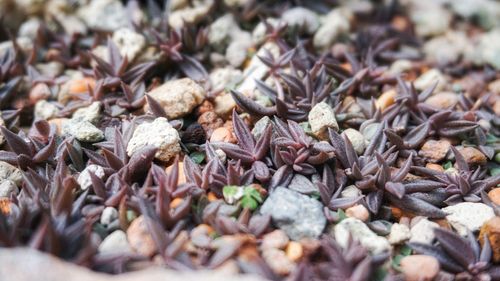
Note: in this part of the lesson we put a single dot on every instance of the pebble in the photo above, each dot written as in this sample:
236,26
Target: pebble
190,15
423,231
9,172
115,243
443,100
224,104
359,212
298,215
430,20
294,251
8,187
429,78
237,51
350,191
259,32
468,216
492,230
278,261
260,126
221,30
108,215
334,24
226,77
276,239
435,150
140,238
210,121
106,15
84,178
488,48
386,99
358,230
494,195
29,28
91,113
301,18
222,134
473,156
446,49
159,134
321,117
419,267
357,140
399,234
2,123
129,42
178,97
302,185
82,130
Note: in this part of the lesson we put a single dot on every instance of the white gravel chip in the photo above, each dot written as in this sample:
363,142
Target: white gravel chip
468,216
115,243
423,231
358,230
84,178
321,117
159,134
129,42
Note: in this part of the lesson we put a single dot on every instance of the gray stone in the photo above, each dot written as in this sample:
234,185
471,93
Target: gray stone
302,184
159,134
107,15
129,42
45,110
468,216
357,140
115,243
333,25
358,230
91,113
190,14
321,118
84,179
399,234
301,18
430,19
82,130
226,77
260,126
236,52
423,231
9,172
298,215
108,215
8,187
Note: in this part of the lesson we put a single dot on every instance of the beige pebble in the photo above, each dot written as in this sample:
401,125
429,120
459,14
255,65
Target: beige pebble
419,267
140,238
358,211
294,251
276,239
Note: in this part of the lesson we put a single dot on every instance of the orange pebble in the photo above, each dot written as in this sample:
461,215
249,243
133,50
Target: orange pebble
212,196
176,202
80,86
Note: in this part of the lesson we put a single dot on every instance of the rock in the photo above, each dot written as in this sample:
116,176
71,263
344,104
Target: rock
446,49
178,97
473,156
468,216
423,231
357,140
71,24
419,267
236,52
84,178
39,92
50,69
369,131
276,239
430,20
333,25
8,187
386,99
224,104
443,100
494,195
400,233
260,126
358,230
259,32
115,243
108,215
488,49
302,185
298,215
91,113
29,28
301,18
222,134
321,117
82,130
210,121
129,42
106,15
400,66
25,264
159,134
191,14
278,261
494,87
256,69
350,191
492,230
140,238
226,77
428,78
221,30
359,212
435,150
486,12
9,172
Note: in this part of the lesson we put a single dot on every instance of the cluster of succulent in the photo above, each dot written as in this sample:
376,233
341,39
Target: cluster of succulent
201,208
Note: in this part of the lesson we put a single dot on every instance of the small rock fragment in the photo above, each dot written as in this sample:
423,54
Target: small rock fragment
301,18
321,117
178,97
45,110
435,150
91,113
358,230
357,140
129,42
8,187
468,216
294,251
108,215
115,243
107,15
140,238
275,239
278,261
494,195
350,191
190,14
492,230
333,25
260,126
302,184
359,212
82,130
159,134
443,100
84,178
9,172
423,231
298,215
419,267
399,234
429,78
473,156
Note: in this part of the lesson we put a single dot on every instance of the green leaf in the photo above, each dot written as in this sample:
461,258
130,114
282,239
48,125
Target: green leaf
229,192
197,157
447,165
253,193
490,139
249,202
379,274
341,214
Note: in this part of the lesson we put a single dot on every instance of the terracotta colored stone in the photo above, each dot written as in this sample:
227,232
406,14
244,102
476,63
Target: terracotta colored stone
5,206
222,134
491,229
386,99
473,156
435,167
294,251
176,203
419,267
39,92
205,106
435,150
182,177
80,86
140,238
210,121
443,100
58,122
494,195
